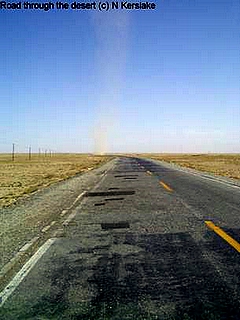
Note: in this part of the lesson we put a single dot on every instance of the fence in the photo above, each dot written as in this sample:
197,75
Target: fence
15,151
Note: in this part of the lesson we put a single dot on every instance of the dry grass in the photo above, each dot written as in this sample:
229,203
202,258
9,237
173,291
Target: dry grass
227,165
23,176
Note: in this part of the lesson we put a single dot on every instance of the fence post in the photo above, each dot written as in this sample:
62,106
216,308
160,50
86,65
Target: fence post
13,151
29,153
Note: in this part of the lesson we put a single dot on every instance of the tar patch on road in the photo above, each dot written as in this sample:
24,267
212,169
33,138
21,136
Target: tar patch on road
126,176
115,225
170,279
167,279
114,199
109,193
137,170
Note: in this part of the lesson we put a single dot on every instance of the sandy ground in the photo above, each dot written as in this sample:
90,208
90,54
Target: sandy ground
23,176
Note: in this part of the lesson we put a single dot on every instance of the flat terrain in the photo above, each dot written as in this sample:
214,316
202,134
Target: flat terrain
226,165
138,246
23,176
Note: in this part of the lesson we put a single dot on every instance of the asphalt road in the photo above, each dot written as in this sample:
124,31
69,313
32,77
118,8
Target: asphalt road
148,242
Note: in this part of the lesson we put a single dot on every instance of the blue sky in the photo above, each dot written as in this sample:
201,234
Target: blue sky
166,80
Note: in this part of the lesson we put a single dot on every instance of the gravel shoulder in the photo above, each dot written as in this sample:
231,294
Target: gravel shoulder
22,221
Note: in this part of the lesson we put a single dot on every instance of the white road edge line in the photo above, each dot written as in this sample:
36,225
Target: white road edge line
213,179
28,244
9,289
69,219
79,197
33,260
73,214
45,229
202,175
19,254
63,213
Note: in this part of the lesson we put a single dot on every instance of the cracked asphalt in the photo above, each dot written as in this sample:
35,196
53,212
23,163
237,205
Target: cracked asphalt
138,247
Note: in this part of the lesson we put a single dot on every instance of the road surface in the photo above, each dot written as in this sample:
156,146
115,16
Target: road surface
149,241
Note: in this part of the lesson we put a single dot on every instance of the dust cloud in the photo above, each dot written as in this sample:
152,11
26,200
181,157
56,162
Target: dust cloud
111,31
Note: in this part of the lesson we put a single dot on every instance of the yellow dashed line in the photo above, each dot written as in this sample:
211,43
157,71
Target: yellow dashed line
165,186
223,235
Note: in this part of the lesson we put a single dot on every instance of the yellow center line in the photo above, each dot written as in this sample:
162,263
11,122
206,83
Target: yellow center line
166,186
223,235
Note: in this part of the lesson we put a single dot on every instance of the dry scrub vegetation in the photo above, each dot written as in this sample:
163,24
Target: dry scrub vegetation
227,165
23,176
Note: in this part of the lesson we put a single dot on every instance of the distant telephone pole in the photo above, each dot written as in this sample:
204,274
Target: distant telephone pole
29,153
13,151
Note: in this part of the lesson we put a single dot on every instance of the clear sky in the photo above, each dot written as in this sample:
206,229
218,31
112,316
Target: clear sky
166,80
